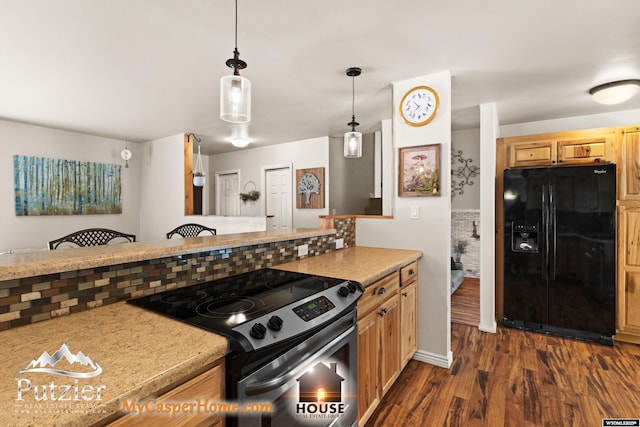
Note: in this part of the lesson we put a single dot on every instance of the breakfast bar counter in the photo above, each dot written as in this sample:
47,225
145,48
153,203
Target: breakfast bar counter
18,265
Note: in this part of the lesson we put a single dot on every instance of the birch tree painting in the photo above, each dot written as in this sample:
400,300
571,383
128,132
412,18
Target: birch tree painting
46,186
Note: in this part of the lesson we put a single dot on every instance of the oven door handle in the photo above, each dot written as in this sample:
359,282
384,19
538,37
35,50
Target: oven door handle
318,350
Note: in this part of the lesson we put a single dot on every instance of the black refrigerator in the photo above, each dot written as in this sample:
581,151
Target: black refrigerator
560,251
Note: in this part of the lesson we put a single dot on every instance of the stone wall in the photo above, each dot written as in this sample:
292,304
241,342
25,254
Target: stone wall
462,229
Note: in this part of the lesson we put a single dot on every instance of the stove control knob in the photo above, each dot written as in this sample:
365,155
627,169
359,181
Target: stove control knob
258,331
343,291
275,323
352,287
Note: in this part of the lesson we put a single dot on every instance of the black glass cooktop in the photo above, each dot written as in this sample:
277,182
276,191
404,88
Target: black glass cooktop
221,304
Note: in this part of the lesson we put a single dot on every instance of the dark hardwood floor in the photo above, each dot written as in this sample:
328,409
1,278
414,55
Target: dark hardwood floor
465,303
516,378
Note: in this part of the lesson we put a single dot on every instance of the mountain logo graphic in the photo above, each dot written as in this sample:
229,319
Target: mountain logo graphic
46,363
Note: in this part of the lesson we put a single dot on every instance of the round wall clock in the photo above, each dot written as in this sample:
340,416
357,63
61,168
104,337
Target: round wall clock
419,105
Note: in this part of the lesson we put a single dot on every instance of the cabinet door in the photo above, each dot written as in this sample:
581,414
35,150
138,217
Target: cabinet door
389,318
628,295
368,366
577,151
409,329
539,153
629,167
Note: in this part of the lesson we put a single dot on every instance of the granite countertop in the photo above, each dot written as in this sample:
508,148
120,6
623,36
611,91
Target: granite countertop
18,265
360,263
141,353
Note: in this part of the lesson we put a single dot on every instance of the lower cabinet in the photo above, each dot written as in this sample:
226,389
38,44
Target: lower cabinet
386,338
409,322
209,386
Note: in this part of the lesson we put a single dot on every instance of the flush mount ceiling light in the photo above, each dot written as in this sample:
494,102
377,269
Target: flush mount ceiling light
615,92
353,139
235,90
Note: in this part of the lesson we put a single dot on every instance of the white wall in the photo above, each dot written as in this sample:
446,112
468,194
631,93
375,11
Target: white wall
162,201
431,233
469,142
30,232
594,121
309,153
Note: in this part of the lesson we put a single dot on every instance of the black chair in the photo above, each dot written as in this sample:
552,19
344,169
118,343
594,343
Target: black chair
92,237
190,230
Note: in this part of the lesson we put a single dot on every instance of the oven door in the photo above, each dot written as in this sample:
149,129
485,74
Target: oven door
312,384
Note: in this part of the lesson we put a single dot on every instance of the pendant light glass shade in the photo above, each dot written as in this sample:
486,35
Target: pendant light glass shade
235,99
352,144
353,139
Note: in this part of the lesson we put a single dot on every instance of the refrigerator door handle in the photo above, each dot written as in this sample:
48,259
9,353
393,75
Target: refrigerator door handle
544,271
552,226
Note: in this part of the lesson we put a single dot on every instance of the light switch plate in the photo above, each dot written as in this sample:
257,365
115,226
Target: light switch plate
339,243
415,212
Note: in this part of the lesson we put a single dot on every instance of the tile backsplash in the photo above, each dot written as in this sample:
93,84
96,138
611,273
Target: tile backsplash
32,299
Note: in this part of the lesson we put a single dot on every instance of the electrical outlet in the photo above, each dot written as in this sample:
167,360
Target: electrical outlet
339,243
303,250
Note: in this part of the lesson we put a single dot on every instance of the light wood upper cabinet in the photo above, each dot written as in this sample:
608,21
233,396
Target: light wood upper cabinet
629,165
540,153
557,149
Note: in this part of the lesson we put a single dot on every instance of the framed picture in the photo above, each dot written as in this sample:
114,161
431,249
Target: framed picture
419,174
310,188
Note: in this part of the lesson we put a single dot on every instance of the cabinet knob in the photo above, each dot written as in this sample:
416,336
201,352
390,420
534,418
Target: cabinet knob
381,291
404,294
411,272
382,312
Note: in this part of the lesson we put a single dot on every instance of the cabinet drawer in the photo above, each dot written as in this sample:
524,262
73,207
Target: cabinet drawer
378,292
408,273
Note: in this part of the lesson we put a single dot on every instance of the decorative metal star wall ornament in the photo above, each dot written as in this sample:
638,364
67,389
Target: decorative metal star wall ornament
464,171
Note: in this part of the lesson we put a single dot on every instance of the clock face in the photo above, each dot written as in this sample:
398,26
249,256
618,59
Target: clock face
419,105
125,154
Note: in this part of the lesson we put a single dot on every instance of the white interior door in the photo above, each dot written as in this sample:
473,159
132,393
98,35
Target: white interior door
279,204
228,199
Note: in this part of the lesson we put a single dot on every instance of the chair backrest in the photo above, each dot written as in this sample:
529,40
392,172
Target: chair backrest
91,237
190,230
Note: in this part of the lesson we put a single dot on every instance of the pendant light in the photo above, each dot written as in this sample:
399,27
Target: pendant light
235,90
353,139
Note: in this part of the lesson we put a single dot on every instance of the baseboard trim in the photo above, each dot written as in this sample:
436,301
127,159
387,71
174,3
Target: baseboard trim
434,359
492,327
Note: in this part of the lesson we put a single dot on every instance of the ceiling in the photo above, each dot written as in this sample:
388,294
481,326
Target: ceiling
145,69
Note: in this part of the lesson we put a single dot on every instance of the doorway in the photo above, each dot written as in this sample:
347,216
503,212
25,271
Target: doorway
227,193
278,201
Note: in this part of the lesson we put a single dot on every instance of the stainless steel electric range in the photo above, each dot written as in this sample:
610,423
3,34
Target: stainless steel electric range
292,342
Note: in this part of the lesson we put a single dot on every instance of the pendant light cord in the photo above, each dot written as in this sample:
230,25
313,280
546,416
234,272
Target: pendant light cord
236,39
353,98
